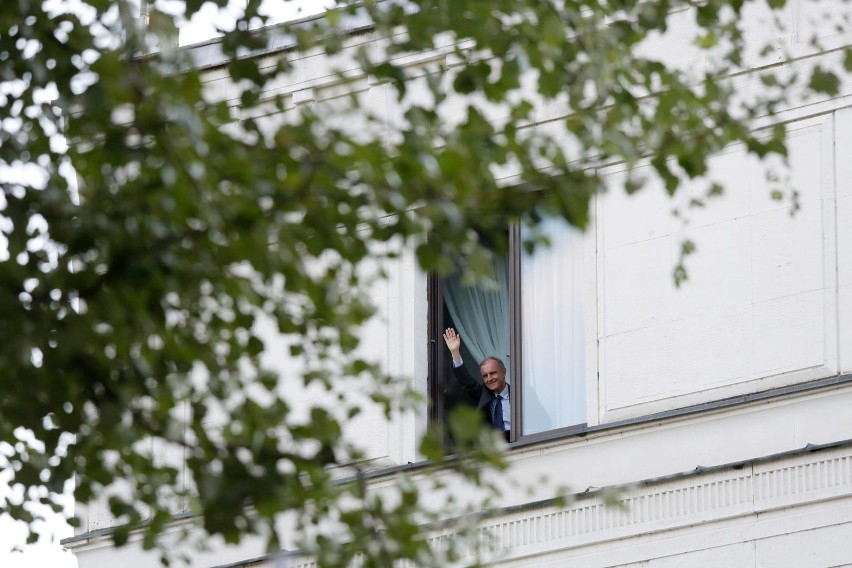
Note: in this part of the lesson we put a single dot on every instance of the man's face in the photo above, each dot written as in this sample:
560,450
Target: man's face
493,376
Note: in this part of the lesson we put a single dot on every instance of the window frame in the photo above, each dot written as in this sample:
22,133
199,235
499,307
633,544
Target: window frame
437,350
437,377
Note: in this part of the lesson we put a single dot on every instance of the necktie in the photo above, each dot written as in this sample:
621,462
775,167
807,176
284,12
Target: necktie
497,417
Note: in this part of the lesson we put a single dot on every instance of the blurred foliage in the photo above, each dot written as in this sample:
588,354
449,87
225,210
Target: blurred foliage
154,225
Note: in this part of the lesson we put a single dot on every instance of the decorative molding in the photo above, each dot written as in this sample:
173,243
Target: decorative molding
659,506
666,505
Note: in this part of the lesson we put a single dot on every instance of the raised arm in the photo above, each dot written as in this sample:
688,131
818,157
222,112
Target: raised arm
453,341
468,384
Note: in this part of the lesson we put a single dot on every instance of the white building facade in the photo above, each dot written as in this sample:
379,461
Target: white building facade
721,409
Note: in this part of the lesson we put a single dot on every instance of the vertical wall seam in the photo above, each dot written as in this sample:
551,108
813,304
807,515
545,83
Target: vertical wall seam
836,199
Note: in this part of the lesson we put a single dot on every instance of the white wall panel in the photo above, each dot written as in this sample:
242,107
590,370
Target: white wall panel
843,149
641,272
717,272
844,314
788,333
758,309
786,251
677,357
731,555
389,341
642,216
825,546
406,336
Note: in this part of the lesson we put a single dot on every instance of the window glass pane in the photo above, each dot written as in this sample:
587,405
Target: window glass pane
552,335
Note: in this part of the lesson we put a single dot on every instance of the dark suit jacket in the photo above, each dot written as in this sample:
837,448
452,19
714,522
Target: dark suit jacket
475,390
477,393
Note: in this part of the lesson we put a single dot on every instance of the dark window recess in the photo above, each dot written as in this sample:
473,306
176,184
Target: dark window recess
532,320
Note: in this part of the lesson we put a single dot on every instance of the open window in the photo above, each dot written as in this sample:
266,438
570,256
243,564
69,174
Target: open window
532,320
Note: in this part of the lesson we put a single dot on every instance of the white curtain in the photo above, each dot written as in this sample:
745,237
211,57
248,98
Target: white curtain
481,316
552,331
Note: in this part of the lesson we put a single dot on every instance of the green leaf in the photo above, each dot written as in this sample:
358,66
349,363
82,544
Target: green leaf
824,82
